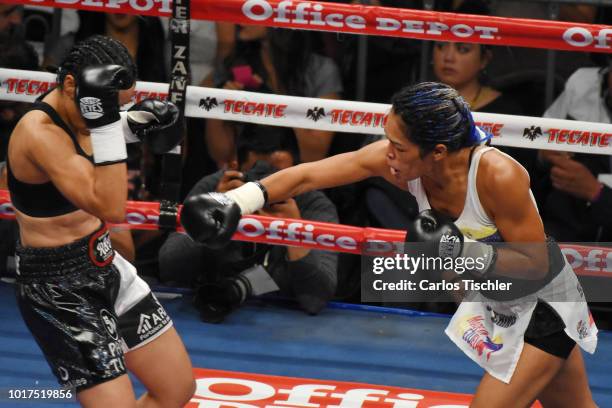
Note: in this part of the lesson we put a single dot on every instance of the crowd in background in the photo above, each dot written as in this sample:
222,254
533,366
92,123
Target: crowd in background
220,155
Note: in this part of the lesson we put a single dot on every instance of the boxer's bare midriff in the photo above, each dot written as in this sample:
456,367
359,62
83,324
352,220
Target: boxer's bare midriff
55,231
42,232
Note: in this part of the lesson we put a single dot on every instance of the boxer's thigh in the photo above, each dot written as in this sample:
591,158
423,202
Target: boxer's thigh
116,393
570,387
164,368
534,371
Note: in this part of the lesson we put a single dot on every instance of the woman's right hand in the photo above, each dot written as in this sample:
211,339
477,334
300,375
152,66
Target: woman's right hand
233,86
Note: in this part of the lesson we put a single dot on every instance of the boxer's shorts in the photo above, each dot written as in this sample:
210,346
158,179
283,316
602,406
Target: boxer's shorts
86,307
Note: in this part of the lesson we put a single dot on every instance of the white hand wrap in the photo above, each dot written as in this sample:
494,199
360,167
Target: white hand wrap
249,197
108,144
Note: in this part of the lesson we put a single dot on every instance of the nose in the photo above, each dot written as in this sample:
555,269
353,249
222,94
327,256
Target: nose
449,53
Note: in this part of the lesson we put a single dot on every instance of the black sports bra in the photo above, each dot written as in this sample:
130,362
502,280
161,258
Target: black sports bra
42,200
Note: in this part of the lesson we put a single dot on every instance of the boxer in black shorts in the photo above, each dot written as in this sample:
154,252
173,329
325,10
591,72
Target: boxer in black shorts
88,310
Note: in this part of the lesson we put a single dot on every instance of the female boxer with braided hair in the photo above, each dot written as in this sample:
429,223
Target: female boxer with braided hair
526,338
82,301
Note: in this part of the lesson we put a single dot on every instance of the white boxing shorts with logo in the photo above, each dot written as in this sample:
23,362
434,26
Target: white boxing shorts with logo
492,333
86,307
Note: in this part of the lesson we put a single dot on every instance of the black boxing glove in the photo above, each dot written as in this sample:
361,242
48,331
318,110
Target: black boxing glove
443,239
97,93
97,96
212,218
154,122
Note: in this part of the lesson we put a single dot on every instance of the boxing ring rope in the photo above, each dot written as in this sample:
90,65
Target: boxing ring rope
347,116
140,215
371,20
335,115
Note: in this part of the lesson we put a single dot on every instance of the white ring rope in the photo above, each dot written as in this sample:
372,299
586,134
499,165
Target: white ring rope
335,115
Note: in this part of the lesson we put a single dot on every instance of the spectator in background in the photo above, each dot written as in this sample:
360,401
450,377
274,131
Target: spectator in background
577,206
11,17
307,275
142,36
279,61
516,60
463,66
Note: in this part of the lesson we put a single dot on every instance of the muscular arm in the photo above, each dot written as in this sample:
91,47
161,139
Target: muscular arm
503,187
99,190
345,168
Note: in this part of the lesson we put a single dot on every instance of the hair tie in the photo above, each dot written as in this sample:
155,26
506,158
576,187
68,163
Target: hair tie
477,134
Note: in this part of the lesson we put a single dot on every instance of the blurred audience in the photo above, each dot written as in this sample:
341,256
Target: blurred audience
223,276
576,205
142,36
279,61
11,18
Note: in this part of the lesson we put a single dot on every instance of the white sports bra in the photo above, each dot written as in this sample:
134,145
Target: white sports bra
473,222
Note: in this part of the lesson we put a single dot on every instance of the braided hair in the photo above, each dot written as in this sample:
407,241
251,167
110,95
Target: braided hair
435,114
95,50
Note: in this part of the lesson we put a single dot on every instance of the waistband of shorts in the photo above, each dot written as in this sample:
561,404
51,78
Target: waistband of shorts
61,260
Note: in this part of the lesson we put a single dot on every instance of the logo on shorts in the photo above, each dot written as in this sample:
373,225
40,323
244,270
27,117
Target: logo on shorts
151,324
583,329
532,132
475,334
91,108
63,373
315,114
110,324
100,248
500,319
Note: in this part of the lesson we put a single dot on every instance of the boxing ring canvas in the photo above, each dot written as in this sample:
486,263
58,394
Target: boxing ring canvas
263,340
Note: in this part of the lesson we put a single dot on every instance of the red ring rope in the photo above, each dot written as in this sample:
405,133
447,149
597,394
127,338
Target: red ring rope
372,20
140,215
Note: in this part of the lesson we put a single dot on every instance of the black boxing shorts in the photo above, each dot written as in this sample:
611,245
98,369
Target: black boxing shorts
546,332
86,306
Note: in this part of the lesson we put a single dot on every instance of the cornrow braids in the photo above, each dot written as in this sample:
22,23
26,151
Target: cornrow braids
95,50
435,114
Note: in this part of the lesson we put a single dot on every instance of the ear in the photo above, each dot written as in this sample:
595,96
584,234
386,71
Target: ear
439,152
69,87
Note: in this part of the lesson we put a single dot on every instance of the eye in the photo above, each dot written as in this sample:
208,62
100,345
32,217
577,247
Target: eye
464,48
